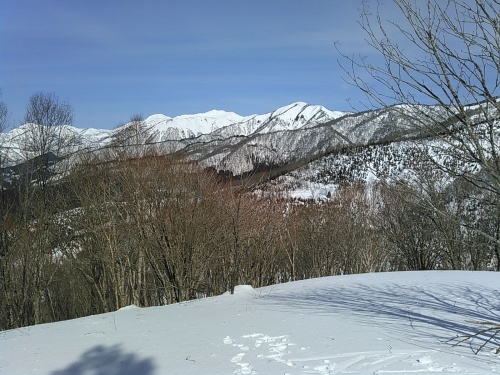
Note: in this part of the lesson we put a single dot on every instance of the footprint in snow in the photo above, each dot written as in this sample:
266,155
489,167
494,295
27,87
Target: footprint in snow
273,348
237,358
244,368
325,368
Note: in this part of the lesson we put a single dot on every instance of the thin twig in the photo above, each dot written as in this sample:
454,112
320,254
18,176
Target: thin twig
494,329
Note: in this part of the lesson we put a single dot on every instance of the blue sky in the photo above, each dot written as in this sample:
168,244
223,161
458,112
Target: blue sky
112,59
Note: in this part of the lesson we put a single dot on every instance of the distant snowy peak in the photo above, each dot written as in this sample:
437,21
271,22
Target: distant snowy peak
189,126
295,116
301,111
224,124
157,120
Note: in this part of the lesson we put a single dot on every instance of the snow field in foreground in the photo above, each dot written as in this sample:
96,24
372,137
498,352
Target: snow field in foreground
386,323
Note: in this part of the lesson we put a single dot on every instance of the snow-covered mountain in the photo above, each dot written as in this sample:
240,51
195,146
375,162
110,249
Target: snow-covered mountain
285,139
163,128
265,149
295,116
184,129
222,124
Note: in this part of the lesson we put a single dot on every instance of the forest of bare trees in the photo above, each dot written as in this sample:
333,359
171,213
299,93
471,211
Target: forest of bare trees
132,225
156,229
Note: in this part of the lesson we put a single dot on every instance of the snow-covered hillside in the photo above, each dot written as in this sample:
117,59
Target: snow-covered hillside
385,323
391,161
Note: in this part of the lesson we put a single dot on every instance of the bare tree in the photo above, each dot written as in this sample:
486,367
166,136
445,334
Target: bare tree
438,64
31,233
3,219
3,125
132,140
3,115
445,54
45,138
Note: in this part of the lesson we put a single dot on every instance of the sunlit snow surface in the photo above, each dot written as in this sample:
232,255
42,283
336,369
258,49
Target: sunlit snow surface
386,323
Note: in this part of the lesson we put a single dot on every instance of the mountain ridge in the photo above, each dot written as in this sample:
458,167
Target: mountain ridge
275,142
207,126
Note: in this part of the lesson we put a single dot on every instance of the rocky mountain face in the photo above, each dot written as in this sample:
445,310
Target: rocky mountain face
267,149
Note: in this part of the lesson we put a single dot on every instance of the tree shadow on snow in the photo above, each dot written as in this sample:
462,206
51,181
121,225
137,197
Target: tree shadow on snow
444,312
102,360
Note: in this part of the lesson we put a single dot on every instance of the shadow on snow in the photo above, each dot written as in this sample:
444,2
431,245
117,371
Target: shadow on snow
439,311
102,360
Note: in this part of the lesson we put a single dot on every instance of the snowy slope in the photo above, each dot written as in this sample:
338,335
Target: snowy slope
395,323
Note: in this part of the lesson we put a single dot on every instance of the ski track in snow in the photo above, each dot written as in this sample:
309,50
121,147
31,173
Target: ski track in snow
257,347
